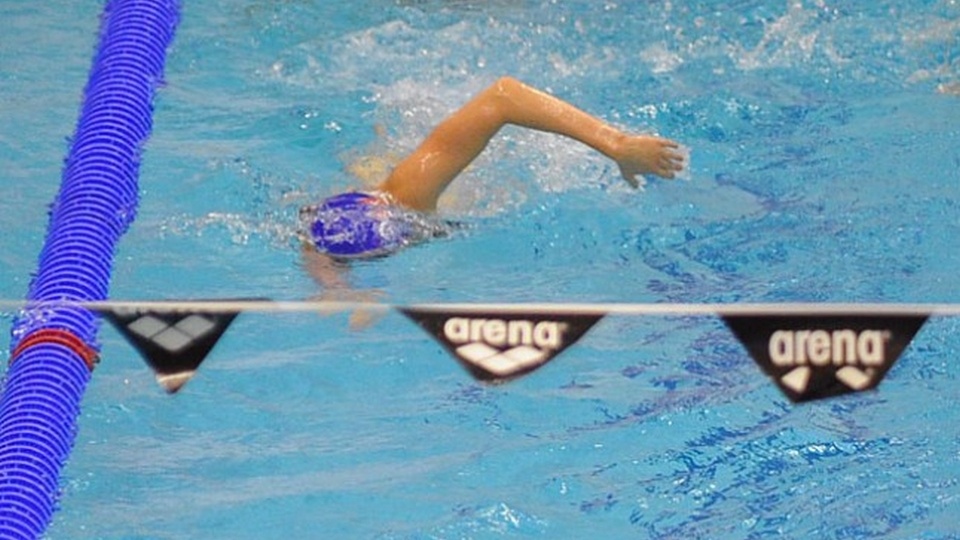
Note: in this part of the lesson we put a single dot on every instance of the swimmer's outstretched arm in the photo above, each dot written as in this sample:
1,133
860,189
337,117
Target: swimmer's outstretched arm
419,180
331,276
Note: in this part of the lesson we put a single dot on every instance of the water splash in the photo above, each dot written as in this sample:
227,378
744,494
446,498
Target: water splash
786,41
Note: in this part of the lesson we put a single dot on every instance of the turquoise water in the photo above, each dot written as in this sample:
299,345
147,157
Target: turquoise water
825,158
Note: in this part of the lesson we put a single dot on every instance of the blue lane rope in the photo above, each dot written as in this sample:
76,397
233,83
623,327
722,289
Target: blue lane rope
53,350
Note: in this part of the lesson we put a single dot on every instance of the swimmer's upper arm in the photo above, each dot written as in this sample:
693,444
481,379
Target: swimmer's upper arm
419,180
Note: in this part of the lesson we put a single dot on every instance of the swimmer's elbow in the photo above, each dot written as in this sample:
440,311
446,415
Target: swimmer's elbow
506,86
499,102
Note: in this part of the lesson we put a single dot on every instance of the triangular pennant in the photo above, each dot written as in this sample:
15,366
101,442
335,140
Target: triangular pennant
497,346
814,356
173,341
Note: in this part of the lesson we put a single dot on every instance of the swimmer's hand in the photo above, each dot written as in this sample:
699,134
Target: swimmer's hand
639,155
360,317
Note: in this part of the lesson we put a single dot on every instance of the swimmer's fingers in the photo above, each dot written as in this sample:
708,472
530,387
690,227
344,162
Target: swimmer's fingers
671,164
362,319
642,155
667,143
666,167
632,177
672,160
671,156
349,298
328,296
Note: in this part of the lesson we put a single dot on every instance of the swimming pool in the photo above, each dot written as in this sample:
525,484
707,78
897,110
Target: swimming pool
825,153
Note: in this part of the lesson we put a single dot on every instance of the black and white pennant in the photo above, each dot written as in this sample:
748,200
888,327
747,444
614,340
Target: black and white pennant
173,341
497,346
816,356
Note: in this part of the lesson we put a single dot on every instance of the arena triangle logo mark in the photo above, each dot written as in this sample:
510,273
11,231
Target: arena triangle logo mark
814,356
172,341
499,346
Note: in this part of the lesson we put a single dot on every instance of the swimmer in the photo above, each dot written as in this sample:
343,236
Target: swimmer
381,221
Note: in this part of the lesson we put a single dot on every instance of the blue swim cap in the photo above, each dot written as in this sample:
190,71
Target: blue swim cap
358,224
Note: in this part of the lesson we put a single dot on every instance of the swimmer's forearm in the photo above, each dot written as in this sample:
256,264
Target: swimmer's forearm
526,106
635,155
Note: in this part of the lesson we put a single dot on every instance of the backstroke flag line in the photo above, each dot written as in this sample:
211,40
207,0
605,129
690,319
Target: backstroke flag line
810,351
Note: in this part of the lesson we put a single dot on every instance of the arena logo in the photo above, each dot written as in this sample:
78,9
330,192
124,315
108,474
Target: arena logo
172,341
501,333
818,356
500,346
822,347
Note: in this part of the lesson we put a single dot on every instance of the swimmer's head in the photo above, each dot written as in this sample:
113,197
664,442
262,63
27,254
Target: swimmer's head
355,225
367,225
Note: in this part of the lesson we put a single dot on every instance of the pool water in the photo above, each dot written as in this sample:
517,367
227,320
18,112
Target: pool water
825,162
